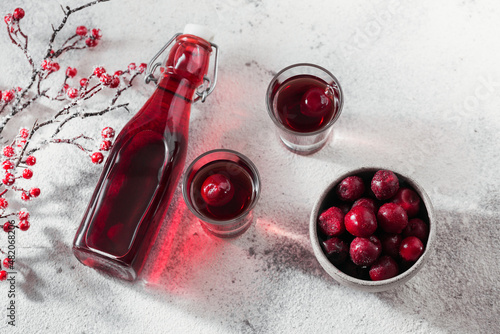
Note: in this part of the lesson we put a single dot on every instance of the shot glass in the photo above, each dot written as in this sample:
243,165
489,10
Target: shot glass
221,187
304,101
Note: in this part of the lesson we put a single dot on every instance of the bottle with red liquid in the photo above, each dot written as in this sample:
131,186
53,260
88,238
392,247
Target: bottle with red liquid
145,163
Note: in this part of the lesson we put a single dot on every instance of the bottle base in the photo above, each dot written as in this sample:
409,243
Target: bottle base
108,266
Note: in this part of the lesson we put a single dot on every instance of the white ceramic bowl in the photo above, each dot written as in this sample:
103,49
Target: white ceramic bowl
325,201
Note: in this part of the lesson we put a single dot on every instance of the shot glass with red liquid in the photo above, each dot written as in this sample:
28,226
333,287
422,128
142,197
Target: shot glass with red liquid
221,187
304,101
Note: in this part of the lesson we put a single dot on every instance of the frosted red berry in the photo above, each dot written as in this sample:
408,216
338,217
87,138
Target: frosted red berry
24,225
7,227
3,203
106,79
384,268
115,82
23,214
392,218
24,133
96,33
30,160
3,275
336,250
331,222
90,42
418,228
217,190
81,30
35,192
8,18
409,200
8,179
18,14
27,173
46,64
131,67
54,67
8,95
71,72
351,188
365,251
105,145
360,221
142,67
7,164
384,184
97,158
411,249
98,71
118,73
7,263
8,151
315,102
25,196
72,93
83,82
107,132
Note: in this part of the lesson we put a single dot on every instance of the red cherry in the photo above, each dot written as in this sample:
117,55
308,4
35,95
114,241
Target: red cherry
30,160
3,275
384,268
81,30
409,200
315,102
217,190
27,173
365,251
360,221
336,250
18,14
391,243
411,249
351,188
35,192
97,158
392,218
331,222
24,225
418,228
385,184
366,202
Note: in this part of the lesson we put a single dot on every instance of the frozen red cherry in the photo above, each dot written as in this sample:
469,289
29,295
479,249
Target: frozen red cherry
30,160
336,250
315,102
411,249
409,200
391,243
81,30
8,179
98,71
365,251
18,14
105,145
331,222
385,184
217,190
7,227
35,192
27,173
418,228
107,132
366,202
384,268
392,218
351,188
360,221
71,72
3,275
24,225
97,158
3,203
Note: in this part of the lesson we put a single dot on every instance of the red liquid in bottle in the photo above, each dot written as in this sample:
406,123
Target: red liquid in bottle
289,97
241,181
143,169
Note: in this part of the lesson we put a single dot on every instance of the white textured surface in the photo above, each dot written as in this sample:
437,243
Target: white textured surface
422,86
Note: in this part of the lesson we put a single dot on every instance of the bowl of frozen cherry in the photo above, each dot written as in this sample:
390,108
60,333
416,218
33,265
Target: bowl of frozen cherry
372,229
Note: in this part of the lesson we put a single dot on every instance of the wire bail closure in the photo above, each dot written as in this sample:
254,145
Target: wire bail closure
202,91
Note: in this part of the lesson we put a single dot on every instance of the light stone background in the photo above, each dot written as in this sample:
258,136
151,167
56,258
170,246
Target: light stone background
422,95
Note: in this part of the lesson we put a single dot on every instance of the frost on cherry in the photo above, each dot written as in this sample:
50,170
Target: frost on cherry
70,89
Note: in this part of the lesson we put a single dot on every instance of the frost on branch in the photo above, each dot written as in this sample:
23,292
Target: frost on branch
68,100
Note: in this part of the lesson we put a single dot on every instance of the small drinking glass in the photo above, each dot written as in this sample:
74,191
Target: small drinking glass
304,101
221,187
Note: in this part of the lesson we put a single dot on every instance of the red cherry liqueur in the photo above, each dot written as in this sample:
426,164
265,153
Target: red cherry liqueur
143,167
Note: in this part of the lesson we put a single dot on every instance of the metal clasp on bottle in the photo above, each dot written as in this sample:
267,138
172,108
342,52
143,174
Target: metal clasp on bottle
202,91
